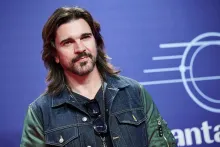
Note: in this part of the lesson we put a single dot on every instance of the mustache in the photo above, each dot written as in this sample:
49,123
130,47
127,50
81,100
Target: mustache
83,54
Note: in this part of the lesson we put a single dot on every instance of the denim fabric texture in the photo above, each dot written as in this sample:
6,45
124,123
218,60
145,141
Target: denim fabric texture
134,120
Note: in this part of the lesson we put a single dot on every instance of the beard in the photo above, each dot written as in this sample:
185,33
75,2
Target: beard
84,67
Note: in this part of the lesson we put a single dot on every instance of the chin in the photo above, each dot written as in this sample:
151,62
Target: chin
83,68
83,71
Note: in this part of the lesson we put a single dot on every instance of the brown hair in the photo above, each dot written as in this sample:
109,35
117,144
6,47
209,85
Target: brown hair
56,78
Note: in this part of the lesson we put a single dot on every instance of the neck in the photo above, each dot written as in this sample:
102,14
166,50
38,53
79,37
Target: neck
86,85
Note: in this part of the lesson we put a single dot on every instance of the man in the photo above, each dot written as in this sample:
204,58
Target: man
87,104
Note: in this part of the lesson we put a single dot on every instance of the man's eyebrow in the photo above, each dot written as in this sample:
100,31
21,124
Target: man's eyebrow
65,40
71,39
86,34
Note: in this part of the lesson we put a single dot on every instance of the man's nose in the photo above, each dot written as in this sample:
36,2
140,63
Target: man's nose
80,47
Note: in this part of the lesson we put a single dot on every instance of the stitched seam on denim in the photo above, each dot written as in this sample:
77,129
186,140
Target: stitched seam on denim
119,135
110,102
134,123
145,134
62,144
127,110
71,138
67,126
110,92
129,97
53,143
142,98
36,114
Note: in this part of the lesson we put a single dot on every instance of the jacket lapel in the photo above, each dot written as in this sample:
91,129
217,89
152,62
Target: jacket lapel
65,98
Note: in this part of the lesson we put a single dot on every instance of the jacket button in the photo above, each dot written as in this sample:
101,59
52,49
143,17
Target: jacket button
61,139
84,119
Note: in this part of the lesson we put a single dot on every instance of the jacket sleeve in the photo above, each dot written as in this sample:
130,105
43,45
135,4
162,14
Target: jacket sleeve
32,135
159,135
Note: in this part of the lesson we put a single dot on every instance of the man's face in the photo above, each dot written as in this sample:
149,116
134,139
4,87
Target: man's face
76,47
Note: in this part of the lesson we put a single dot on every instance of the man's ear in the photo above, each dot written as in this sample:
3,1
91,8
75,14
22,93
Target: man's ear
57,60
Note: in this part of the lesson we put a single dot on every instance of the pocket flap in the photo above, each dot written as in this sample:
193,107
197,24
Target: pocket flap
134,116
60,137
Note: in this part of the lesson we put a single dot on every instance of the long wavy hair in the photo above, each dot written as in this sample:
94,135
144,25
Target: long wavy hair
55,78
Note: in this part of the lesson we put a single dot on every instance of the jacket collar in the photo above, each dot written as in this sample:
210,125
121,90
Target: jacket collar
116,82
113,82
60,99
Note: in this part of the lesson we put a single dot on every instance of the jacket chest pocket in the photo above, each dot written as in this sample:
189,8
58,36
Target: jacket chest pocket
67,137
132,124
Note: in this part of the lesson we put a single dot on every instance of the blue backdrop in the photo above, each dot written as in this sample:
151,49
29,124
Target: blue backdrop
171,47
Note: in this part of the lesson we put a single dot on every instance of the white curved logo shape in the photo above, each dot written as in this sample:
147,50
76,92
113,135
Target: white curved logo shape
183,62
198,41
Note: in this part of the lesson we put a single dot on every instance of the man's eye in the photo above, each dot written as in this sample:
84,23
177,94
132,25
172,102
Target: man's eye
67,43
85,37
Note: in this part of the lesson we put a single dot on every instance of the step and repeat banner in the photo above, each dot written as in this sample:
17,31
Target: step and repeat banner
171,47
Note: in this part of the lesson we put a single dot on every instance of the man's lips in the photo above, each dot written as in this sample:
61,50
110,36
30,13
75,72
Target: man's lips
84,57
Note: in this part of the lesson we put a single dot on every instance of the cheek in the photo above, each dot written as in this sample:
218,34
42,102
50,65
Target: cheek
92,48
65,56
90,44
93,51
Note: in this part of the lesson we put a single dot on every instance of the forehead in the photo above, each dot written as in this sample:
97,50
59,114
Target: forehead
73,29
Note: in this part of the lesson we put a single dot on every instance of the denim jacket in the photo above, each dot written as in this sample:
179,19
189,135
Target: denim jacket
134,120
